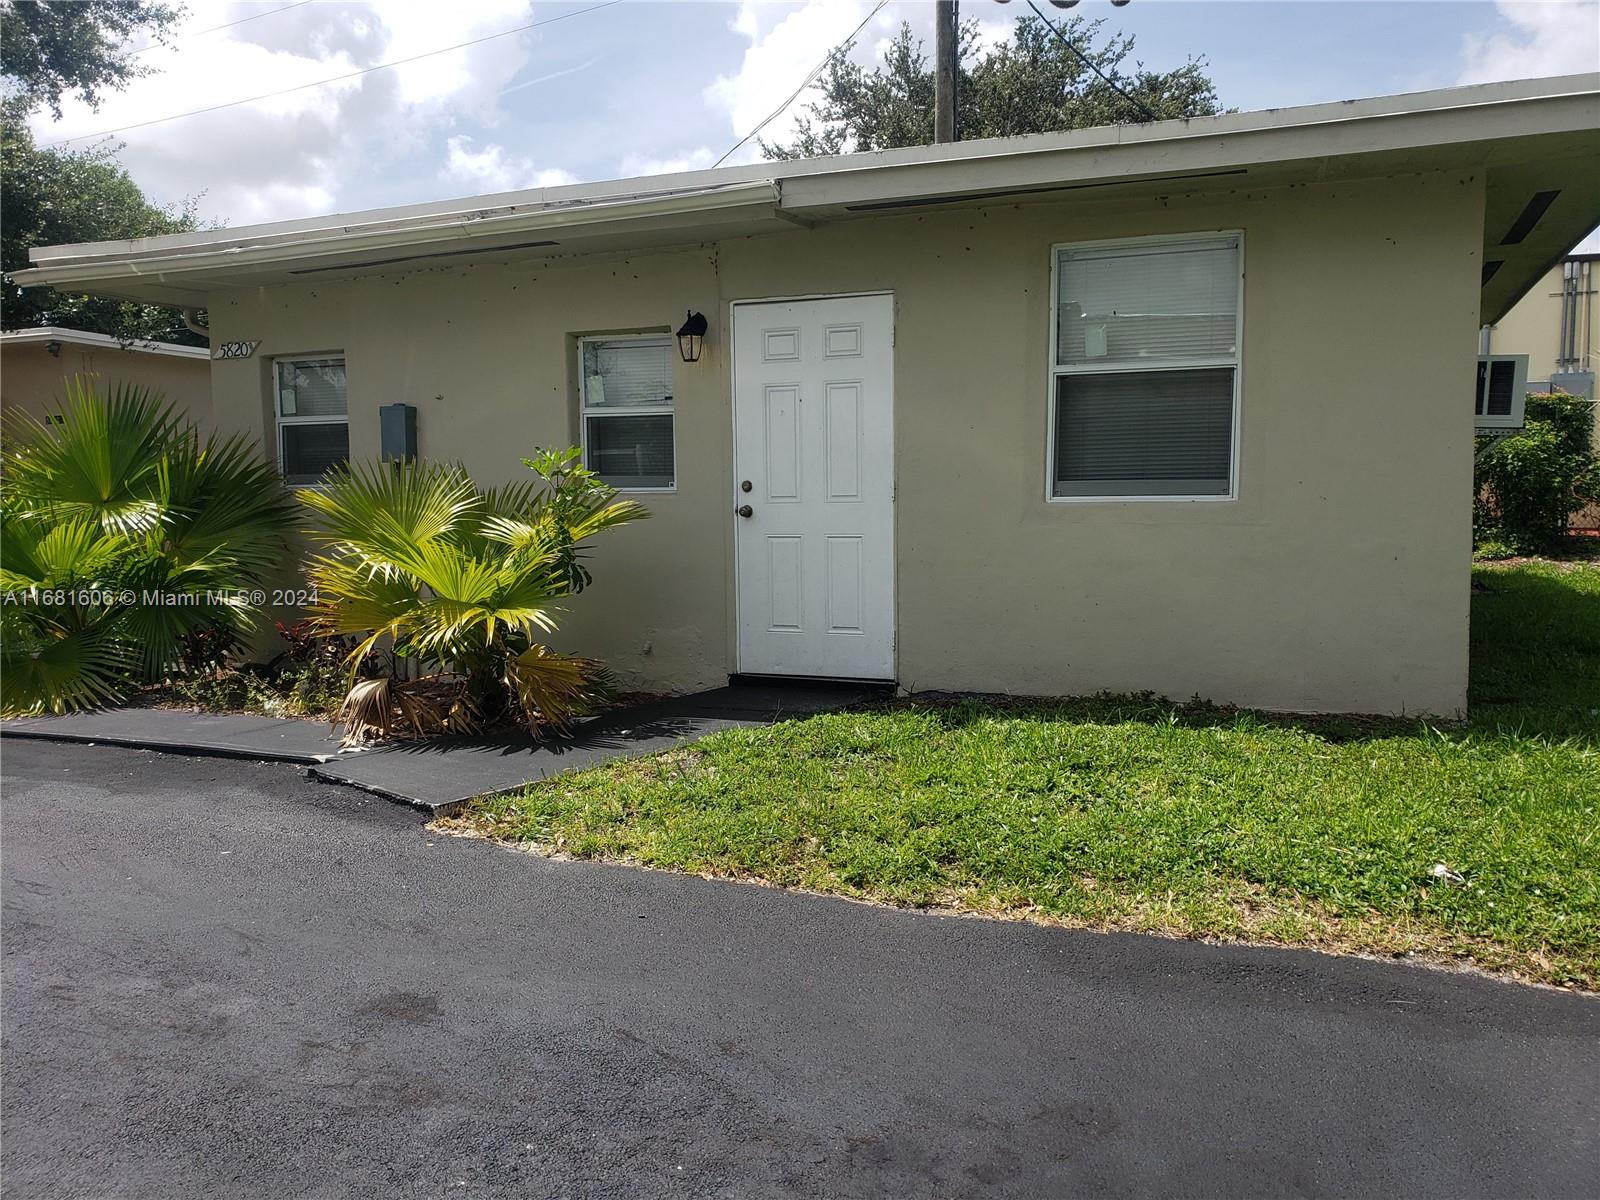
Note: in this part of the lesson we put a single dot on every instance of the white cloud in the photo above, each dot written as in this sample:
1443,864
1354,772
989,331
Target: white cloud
744,22
492,169
468,79
697,159
302,153
994,34
1554,37
272,201
778,59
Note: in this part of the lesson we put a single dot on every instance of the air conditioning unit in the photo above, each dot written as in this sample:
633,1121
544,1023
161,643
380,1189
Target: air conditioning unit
1502,389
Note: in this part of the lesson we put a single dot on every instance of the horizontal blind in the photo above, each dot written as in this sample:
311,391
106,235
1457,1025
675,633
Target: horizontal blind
1496,399
1166,301
309,451
311,388
1144,433
627,372
629,451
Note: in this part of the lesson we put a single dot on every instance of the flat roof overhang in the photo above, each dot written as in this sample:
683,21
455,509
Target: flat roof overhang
44,335
1536,142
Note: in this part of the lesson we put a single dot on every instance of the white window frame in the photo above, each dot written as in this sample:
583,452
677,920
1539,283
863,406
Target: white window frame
277,406
670,409
1056,369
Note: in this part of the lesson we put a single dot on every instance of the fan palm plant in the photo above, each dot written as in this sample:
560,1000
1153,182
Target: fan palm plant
469,579
122,534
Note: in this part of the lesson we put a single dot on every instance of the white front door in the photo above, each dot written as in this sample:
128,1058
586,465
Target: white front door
813,414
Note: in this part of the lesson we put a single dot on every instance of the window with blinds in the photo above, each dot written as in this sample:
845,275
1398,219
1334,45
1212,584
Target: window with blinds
313,418
626,398
1145,369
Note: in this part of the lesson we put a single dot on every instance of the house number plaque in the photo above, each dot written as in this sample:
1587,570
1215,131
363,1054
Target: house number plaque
235,349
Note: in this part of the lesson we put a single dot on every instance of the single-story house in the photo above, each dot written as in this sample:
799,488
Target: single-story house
35,364
1179,406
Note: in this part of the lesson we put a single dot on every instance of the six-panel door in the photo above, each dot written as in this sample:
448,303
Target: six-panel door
814,439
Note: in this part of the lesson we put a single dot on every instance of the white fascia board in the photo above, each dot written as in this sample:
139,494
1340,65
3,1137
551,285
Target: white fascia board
45,334
381,236
1136,155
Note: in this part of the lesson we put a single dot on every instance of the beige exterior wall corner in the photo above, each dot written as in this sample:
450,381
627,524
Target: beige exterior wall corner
32,379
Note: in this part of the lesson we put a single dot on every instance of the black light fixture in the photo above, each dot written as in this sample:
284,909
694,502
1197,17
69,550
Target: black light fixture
692,336
54,348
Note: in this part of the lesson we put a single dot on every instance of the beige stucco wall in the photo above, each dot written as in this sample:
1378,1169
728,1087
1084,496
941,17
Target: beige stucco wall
1533,326
31,378
1338,580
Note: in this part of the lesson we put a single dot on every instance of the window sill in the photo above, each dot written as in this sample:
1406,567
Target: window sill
1141,499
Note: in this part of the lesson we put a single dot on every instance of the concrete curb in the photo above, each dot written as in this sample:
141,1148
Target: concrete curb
202,749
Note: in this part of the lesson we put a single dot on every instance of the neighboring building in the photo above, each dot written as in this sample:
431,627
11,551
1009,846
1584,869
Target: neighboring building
1179,407
35,363
1557,325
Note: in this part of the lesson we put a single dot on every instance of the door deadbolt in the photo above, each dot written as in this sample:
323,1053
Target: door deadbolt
744,486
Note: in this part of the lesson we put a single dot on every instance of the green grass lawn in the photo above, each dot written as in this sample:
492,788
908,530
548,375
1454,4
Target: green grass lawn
1189,820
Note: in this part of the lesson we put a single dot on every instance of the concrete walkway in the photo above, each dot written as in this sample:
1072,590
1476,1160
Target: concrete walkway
441,775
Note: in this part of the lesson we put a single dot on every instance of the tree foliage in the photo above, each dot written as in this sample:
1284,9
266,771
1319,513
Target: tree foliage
56,197
49,48
1029,84
1530,484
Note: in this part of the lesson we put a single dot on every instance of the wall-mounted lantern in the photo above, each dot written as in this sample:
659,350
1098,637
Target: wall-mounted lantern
54,348
692,337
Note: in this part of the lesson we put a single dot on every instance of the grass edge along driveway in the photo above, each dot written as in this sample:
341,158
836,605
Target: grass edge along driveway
1476,843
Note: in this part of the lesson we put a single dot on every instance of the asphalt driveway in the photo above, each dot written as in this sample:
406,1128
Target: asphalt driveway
224,980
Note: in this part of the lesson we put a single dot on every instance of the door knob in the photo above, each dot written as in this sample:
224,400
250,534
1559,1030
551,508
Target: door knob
744,510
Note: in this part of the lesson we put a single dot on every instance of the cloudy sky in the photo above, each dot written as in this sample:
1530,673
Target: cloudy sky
598,90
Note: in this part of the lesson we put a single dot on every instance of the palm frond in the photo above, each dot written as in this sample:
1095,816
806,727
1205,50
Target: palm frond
382,512
385,709
463,577
98,461
225,508
51,670
37,553
368,711
554,690
121,500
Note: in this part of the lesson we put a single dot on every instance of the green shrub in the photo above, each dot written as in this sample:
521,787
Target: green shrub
462,578
1530,484
129,547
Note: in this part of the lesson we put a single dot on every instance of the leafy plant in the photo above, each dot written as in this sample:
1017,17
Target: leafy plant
51,48
1529,485
127,544
464,579
1027,83
57,196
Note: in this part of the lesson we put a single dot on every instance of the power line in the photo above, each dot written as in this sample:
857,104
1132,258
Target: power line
1088,62
229,25
399,62
804,84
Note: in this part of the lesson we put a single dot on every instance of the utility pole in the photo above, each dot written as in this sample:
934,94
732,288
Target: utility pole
945,17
